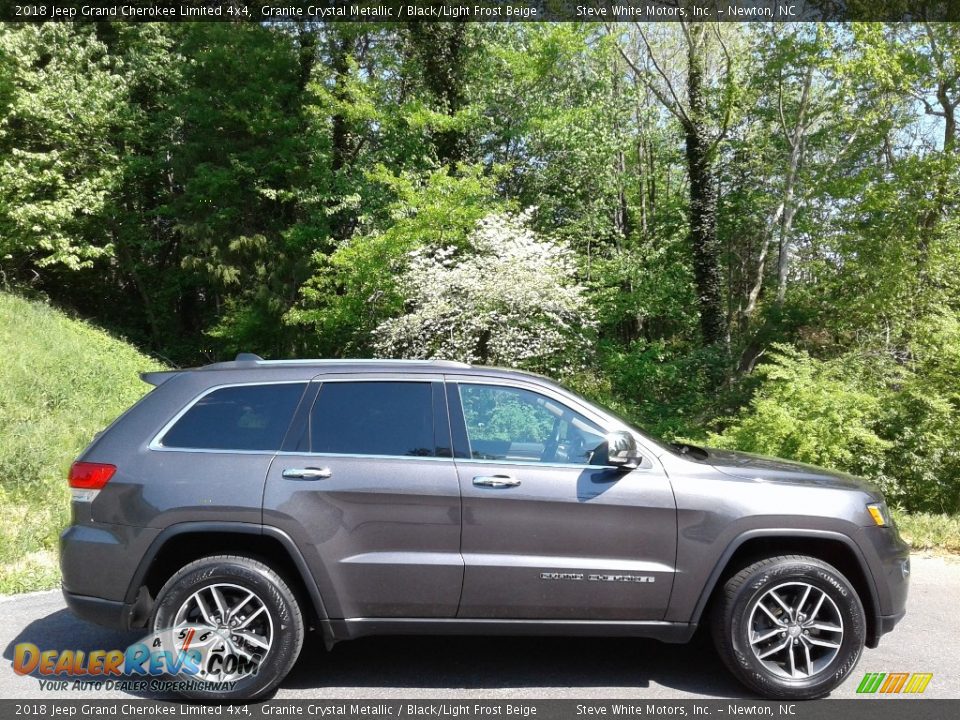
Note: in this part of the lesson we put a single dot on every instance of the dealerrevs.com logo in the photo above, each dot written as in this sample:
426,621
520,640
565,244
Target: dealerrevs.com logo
894,683
191,656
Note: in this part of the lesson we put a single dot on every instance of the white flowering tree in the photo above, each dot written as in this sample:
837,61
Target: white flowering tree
511,299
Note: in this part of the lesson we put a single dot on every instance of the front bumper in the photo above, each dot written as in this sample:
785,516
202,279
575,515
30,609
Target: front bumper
890,566
889,622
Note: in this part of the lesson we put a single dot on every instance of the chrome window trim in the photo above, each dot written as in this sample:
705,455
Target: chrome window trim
156,444
361,456
534,463
601,420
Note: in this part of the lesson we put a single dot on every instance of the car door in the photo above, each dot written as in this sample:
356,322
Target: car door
369,492
549,531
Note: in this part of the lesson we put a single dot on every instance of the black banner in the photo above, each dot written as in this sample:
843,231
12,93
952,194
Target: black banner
610,11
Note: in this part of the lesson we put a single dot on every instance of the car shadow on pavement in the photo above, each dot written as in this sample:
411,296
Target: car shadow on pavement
378,667
62,630
537,665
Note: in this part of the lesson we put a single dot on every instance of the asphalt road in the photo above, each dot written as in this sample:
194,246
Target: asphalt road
520,668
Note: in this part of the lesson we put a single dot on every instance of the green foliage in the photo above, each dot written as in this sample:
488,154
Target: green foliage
555,120
814,411
58,158
922,420
60,382
668,389
355,288
929,531
891,419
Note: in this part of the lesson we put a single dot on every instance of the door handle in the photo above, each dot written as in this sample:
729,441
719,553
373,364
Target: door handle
496,481
307,473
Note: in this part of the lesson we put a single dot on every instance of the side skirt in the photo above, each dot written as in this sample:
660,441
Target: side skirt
670,632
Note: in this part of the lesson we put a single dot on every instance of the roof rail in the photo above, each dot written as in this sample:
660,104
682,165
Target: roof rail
250,358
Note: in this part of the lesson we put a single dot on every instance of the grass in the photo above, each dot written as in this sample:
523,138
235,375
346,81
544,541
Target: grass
61,381
930,531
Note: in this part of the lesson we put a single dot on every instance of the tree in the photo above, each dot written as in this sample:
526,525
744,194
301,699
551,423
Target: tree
705,125
58,159
355,288
443,50
512,299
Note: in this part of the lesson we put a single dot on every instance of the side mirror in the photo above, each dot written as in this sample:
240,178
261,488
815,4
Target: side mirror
622,451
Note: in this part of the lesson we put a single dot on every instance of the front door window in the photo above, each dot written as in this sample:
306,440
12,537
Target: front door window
513,424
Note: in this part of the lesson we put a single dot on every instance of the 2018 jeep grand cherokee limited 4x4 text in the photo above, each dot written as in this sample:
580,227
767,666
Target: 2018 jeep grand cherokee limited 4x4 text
250,500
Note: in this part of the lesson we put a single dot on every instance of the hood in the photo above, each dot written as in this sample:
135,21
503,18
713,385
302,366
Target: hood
749,466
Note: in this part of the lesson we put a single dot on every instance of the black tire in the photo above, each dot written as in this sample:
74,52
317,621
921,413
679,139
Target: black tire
285,617
737,604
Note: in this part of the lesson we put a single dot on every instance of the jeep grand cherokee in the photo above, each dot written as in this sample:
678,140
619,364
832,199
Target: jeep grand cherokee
252,500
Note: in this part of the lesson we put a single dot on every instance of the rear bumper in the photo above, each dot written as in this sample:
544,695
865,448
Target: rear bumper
109,613
99,560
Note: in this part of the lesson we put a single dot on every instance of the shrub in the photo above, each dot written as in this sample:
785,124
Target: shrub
511,298
820,412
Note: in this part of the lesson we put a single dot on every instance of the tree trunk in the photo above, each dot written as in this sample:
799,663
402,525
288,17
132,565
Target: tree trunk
796,139
340,223
786,248
948,107
307,56
622,215
340,66
703,196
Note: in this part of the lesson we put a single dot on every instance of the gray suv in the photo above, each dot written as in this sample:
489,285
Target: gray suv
249,501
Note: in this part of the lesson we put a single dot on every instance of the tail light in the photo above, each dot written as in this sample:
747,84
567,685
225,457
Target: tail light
90,476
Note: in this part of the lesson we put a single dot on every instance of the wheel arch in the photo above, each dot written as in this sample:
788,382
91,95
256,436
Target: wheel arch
182,543
834,548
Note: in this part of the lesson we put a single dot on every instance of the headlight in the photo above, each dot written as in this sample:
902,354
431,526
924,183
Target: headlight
880,514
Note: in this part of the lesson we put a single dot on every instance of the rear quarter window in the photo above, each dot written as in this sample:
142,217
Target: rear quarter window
247,417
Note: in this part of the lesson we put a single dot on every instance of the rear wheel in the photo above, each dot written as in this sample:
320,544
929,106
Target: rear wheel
789,627
239,619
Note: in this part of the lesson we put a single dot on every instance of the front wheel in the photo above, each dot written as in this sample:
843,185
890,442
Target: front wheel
790,627
236,622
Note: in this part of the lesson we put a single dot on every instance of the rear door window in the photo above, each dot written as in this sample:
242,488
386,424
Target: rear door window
245,417
374,418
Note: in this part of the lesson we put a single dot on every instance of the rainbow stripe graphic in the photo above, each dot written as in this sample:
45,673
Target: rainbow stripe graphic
894,683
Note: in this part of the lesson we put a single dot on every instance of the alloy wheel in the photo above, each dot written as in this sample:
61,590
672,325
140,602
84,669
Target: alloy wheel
239,627
796,630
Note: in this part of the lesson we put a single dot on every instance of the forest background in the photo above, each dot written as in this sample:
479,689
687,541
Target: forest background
742,235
